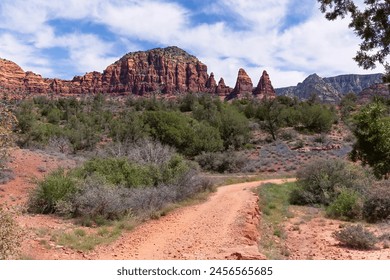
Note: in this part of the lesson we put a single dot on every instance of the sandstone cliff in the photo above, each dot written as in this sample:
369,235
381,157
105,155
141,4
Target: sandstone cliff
168,70
243,87
264,88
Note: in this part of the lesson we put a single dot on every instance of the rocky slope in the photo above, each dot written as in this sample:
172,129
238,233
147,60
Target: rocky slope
353,83
330,89
380,90
168,70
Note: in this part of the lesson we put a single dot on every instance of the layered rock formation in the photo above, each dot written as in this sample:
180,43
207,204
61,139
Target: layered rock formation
353,83
330,89
222,89
243,87
12,77
264,88
168,70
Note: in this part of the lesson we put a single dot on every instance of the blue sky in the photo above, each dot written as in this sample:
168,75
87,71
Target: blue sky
288,38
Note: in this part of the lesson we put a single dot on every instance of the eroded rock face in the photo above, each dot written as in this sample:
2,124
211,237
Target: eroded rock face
244,86
169,70
222,89
12,77
211,83
376,90
331,89
353,83
264,88
313,85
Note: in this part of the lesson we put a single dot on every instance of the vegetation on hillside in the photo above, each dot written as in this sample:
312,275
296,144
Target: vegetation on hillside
143,154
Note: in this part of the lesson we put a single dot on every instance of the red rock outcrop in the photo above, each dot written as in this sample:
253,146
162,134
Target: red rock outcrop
222,89
168,70
264,88
34,83
11,77
244,86
211,84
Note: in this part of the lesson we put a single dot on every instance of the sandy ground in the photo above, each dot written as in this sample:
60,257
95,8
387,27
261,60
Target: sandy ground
309,237
225,226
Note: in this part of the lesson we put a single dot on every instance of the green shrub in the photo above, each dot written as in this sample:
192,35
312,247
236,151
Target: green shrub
117,171
98,199
377,202
54,189
356,237
10,235
228,161
372,132
320,181
316,117
300,196
128,127
187,135
234,128
347,205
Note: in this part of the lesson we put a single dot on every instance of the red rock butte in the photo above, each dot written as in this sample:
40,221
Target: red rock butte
168,70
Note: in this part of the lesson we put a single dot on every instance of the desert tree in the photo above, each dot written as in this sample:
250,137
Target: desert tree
372,132
371,23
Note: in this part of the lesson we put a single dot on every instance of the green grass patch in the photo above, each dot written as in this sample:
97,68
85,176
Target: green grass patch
80,240
274,204
222,180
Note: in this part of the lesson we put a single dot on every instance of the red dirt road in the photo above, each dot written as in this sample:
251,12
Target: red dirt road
223,227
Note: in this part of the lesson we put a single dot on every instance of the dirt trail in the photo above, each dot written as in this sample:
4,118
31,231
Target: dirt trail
223,227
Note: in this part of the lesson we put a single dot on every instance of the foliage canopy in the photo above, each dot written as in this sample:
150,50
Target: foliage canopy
371,24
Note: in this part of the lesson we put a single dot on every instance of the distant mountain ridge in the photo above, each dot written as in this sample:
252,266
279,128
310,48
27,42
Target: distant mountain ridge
330,89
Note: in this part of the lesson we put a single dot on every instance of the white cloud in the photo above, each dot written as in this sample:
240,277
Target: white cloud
24,54
87,52
256,15
147,20
251,34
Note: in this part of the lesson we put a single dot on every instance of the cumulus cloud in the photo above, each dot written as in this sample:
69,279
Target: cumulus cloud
27,56
146,20
289,38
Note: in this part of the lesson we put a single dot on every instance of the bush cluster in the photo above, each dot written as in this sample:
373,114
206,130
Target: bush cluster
52,191
376,205
356,237
283,111
229,161
110,187
347,205
322,181
347,191
193,124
